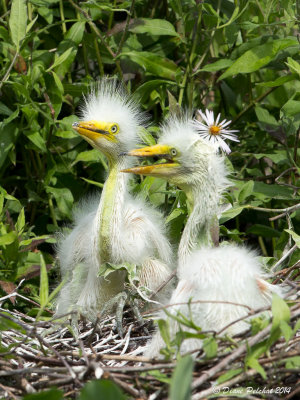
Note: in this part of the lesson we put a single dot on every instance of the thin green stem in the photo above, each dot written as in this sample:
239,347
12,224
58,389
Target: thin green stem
52,212
8,70
98,56
126,28
99,35
253,103
62,16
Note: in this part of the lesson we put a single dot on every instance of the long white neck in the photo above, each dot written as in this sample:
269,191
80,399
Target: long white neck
109,217
197,232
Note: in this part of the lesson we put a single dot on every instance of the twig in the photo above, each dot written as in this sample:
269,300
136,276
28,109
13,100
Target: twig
126,28
9,69
98,33
283,258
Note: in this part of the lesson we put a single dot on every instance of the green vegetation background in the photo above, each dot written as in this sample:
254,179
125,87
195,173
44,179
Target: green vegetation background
238,58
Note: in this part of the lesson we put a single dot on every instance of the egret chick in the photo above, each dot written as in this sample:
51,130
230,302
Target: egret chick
211,275
118,229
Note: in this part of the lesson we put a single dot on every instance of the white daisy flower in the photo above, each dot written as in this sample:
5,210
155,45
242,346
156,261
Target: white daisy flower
214,131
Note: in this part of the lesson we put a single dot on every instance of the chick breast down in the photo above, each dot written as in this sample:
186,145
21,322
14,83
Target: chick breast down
140,239
226,274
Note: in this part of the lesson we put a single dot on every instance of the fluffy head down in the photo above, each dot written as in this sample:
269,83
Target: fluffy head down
109,102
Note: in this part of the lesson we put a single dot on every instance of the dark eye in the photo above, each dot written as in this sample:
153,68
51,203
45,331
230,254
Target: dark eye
173,152
114,129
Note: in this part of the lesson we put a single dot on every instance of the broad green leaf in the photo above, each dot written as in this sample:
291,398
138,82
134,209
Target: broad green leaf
88,156
58,82
101,389
7,324
59,60
273,191
279,81
52,394
293,65
294,236
164,330
228,375
37,139
253,363
8,238
21,221
153,64
143,91
155,27
180,386
210,347
258,57
263,230
293,362
217,65
231,213
174,214
264,116
63,197
286,330
18,21
280,311
75,33
246,191
44,285
291,107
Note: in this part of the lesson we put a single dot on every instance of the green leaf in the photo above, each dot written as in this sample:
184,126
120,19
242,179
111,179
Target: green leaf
155,27
293,65
153,64
217,65
273,191
101,389
263,230
59,60
44,286
280,311
52,394
8,238
293,362
231,213
18,21
286,330
63,197
76,31
246,191
210,346
253,363
180,386
164,330
228,375
37,139
295,237
21,221
6,324
258,57
279,81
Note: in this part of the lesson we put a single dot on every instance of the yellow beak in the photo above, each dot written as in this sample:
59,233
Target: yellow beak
161,151
93,130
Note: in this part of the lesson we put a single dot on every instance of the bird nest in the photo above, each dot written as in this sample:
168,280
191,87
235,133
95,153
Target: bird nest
38,355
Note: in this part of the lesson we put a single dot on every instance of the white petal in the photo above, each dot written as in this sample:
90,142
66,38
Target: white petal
203,116
217,120
224,146
235,139
225,124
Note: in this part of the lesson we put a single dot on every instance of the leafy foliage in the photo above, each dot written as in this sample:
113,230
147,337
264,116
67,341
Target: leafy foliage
239,58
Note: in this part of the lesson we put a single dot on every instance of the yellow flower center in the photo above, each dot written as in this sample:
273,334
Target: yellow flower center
214,130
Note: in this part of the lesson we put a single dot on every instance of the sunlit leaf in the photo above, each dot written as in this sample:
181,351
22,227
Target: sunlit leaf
18,21
180,386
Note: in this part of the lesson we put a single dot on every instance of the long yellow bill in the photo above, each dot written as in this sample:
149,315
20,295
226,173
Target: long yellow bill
161,151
